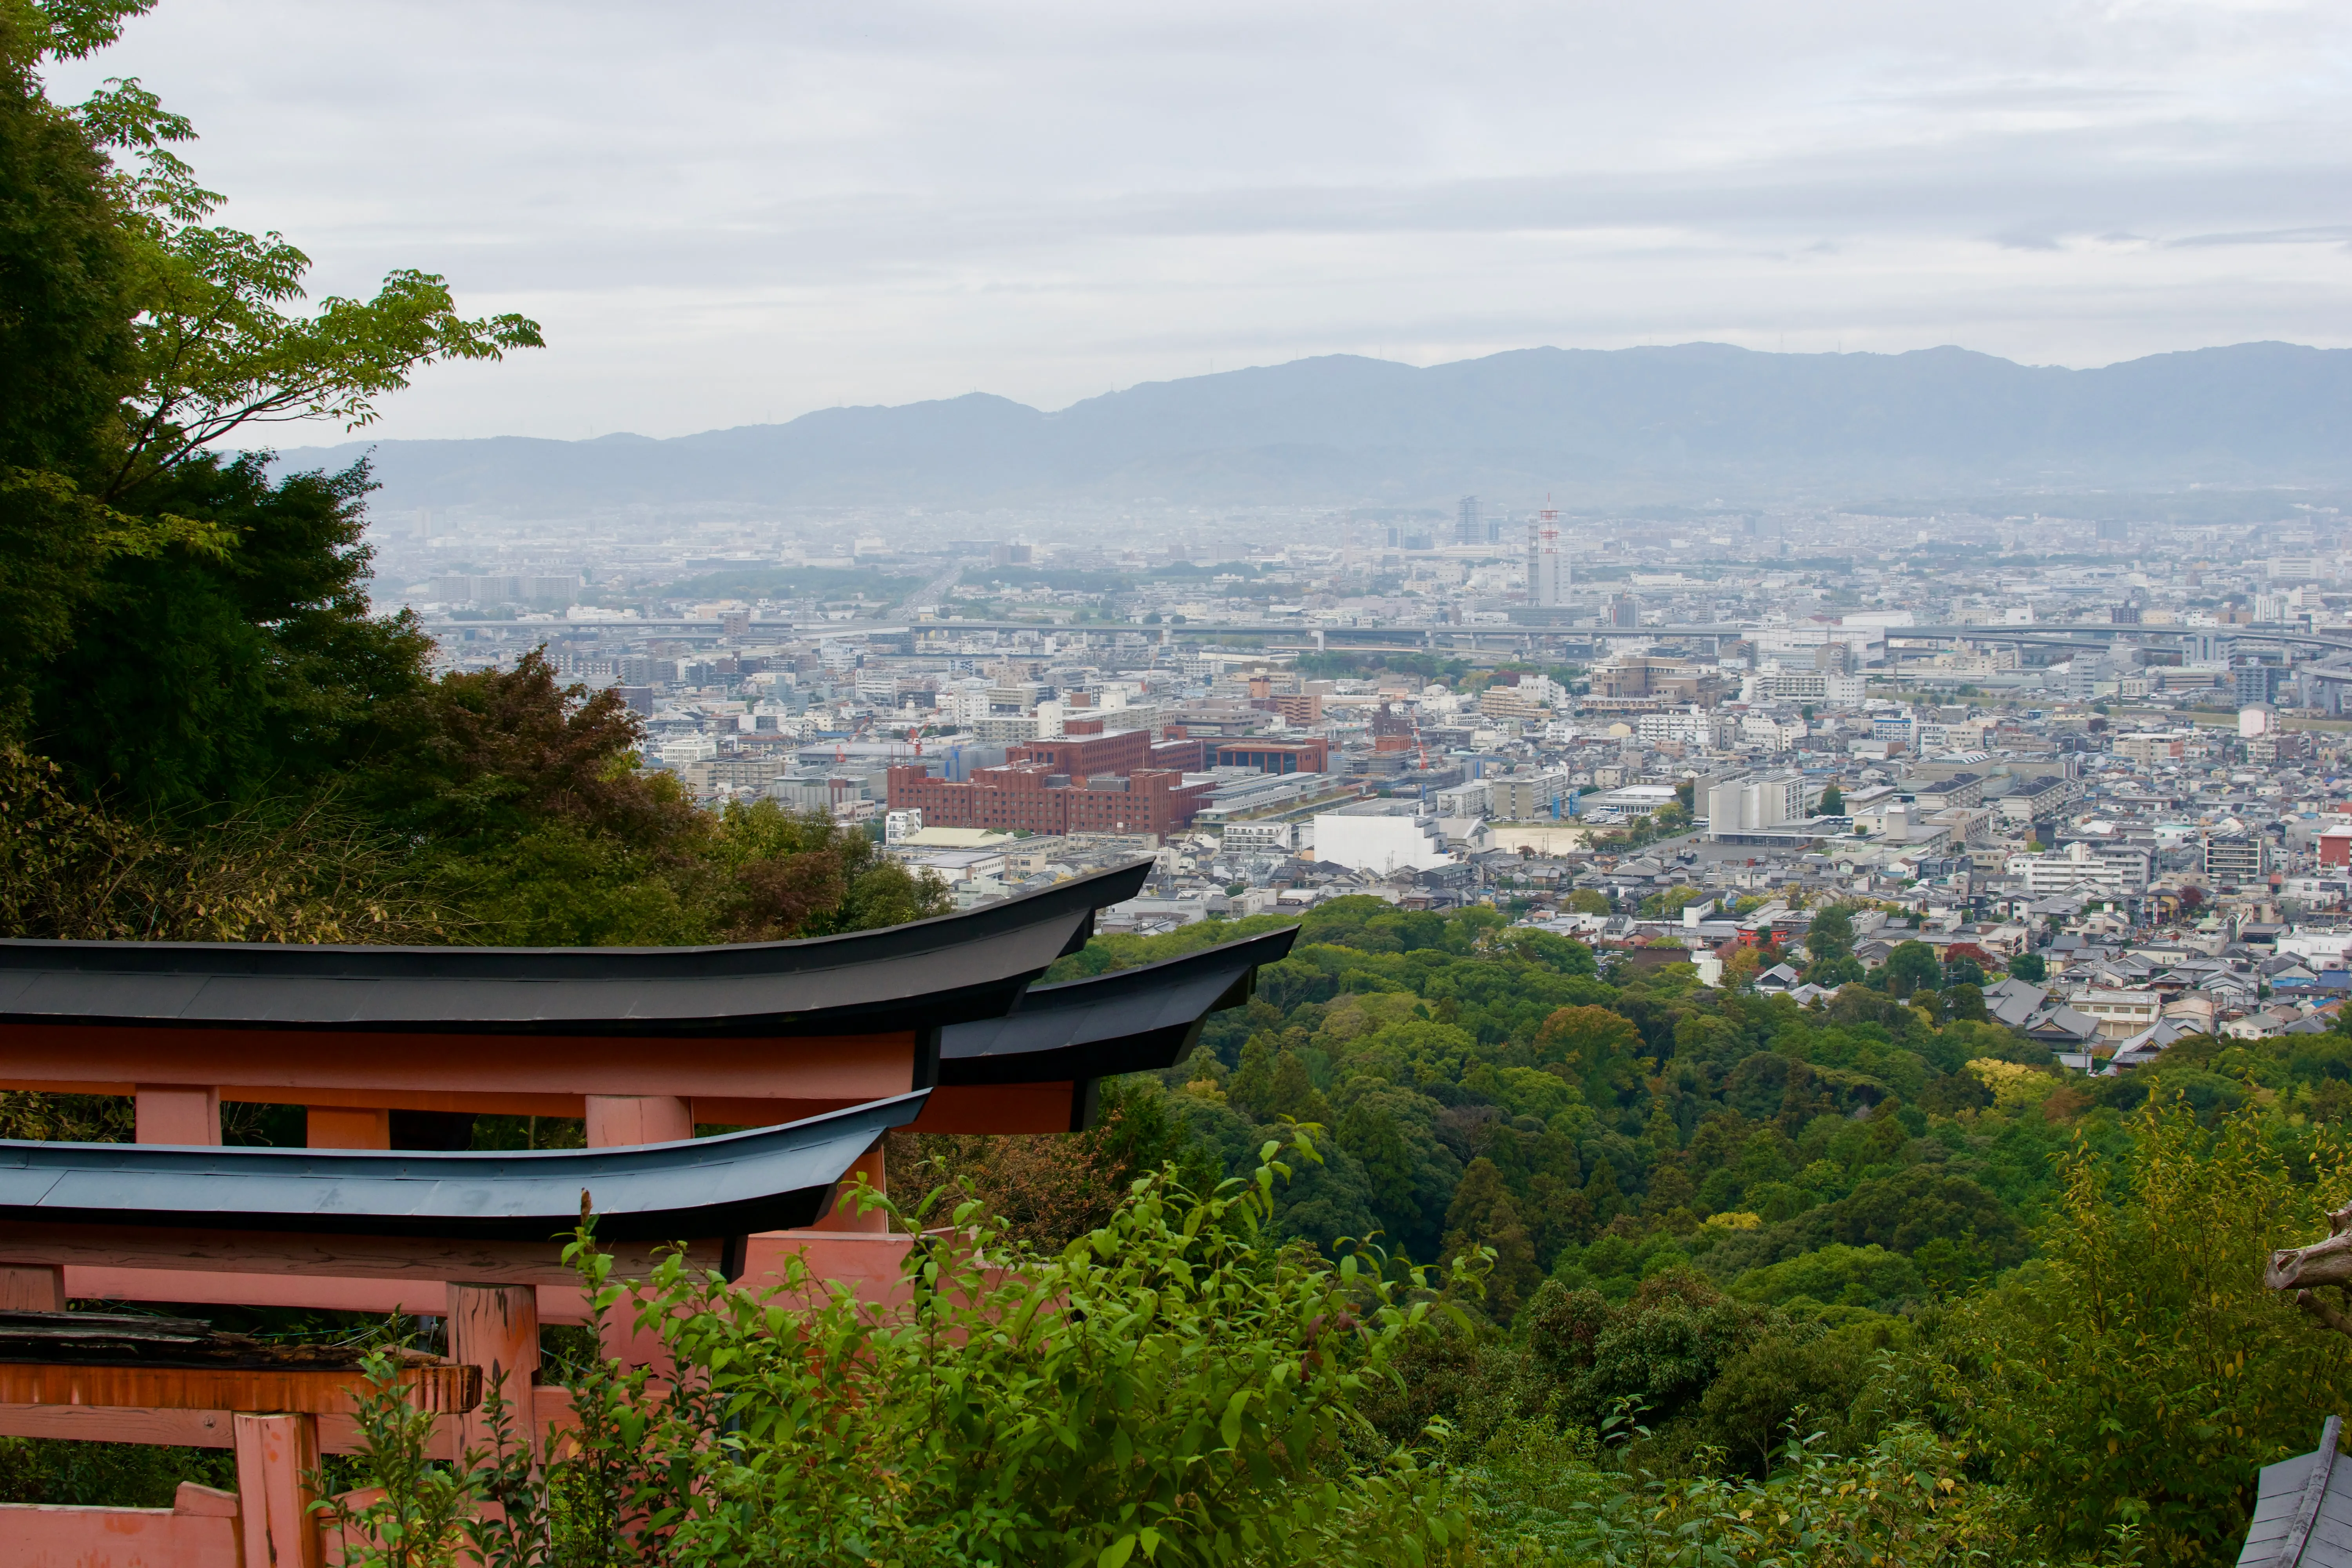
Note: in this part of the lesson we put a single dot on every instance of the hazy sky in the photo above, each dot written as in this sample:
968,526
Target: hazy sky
729,213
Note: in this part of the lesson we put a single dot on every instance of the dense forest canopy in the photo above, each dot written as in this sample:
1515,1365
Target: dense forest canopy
1713,1223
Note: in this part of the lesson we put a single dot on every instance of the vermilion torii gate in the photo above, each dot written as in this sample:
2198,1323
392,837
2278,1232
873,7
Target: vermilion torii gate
401,1048
823,1045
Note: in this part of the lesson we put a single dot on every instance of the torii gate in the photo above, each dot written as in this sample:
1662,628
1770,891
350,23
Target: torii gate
386,1047
932,1025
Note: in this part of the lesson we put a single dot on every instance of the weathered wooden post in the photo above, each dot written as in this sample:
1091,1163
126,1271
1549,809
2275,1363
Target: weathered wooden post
495,1328
276,1457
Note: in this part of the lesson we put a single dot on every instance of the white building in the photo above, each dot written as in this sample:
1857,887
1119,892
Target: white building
1754,802
1475,798
1259,837
2118,869
1822,688
1691,727
1381,836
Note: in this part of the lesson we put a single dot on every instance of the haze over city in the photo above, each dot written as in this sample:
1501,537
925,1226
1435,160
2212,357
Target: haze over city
888,205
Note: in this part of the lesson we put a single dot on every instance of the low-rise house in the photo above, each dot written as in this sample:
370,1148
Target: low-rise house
2121,1013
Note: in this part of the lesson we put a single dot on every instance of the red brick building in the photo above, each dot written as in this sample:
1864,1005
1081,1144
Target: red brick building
1085,751
1040,798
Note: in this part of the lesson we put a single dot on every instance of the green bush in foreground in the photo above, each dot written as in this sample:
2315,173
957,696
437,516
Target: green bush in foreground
1174,1388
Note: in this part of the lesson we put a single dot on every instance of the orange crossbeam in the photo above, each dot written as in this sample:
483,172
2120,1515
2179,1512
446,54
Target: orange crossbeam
314,1391
508,1075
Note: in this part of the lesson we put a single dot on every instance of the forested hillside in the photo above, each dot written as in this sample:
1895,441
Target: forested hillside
1720,1223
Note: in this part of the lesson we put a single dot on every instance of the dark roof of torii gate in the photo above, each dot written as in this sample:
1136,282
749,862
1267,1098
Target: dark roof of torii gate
1130,1020
771,1178
926,975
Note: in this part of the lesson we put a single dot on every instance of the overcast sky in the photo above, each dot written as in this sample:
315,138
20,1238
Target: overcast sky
732,214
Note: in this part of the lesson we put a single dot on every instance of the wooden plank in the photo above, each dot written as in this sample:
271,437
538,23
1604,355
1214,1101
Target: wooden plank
50,1535
348,1127
620,1119
421,1260
32,1288
494,1334
428,1296
212,1429
2330,1542
438,1388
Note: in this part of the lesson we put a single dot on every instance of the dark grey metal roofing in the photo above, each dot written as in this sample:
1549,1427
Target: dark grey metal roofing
771,1178
919,975
1131,1020
2302,1510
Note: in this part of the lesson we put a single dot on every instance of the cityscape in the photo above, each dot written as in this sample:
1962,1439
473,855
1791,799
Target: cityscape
2106,745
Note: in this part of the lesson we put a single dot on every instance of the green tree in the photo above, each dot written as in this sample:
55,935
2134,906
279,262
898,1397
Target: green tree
205,677
1294,1094
135,335
1911,966
1251,1088
1830,936
1587,901
1665,905
1833,803
1601,1199
2029,967
2140,1370
67,267
1483,1215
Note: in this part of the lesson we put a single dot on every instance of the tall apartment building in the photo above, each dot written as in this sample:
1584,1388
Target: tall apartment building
2235,860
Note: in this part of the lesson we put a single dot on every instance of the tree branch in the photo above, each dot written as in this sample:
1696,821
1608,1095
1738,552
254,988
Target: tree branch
2310,1302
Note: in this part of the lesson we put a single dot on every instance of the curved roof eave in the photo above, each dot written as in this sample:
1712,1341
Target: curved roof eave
924,973
1130,1020
770,1178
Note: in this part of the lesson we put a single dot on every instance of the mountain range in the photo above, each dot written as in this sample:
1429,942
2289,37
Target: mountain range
1585,426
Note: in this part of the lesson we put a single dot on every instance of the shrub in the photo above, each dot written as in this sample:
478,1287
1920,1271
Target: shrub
1175,1387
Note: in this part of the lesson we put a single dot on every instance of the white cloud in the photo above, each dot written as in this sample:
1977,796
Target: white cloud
731,212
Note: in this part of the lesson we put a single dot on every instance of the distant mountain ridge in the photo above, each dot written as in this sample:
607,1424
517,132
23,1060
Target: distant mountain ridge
1657,424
